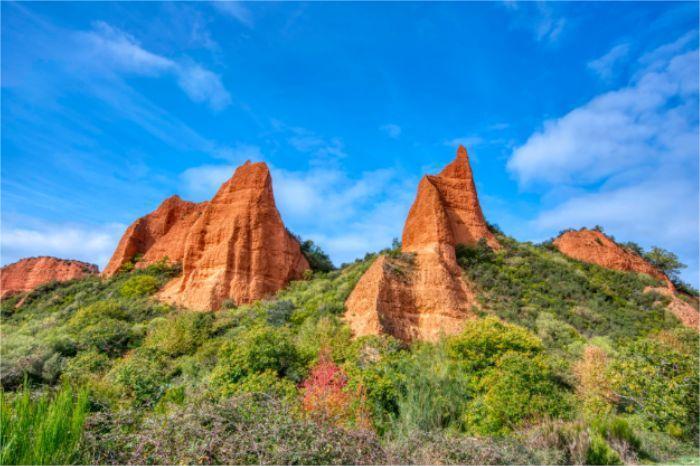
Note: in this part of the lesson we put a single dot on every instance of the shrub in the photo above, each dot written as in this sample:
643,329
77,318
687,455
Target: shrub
141,376
484,341
42,430
180,333
659,382
138,286
256,350
240,430
519,388
324,392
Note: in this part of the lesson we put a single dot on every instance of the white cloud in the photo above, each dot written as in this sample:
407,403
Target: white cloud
94,244
347,216
650,121
110,49
235,10
202,182
119,50
202,85
391,130
627,159
605,66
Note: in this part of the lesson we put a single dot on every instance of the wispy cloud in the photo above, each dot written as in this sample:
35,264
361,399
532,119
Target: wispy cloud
83,242
110,49
236,10
606,65
391,130
360,214
627,160
539,17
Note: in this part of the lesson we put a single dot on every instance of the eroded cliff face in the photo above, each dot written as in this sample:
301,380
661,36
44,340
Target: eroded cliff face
158,235
425,296
595,247
27,274
238,247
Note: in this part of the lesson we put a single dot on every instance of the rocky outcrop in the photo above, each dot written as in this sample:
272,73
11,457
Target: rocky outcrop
594,247
157,236
237,247
424,295
684,311
27,274
447,210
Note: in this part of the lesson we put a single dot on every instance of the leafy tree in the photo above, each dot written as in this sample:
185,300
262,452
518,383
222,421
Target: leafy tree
317,258
666,261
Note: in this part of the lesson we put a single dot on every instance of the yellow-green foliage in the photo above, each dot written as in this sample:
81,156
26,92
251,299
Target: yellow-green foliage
179,334
139,286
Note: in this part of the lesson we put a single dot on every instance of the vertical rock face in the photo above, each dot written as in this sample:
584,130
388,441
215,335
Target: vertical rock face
160,234
447,210
425,296
595,247
238,247
27,274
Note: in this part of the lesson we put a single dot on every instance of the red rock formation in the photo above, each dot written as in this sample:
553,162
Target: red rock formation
594,247
160,234
27,274
447,210
238,247
684,311
427,297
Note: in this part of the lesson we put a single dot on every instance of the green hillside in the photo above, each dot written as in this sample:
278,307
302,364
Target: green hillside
567,363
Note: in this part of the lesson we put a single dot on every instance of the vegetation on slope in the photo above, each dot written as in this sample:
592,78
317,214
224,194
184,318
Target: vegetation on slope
569,363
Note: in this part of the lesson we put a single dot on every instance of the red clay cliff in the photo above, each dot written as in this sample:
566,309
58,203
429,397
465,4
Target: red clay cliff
595,247
158,235
27,274
234,246
422,295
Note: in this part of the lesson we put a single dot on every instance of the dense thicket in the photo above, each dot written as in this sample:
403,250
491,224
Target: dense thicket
568,363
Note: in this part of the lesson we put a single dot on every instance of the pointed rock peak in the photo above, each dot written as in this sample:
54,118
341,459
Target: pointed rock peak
462,152
459,167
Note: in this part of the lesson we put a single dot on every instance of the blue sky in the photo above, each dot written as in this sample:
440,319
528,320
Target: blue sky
574,114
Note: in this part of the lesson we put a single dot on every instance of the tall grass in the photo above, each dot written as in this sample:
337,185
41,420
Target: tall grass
44,429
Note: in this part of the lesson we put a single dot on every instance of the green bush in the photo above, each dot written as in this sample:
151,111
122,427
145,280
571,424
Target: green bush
254,351
139,286
142,377
660,380
520,388
179,334
42,430
484,341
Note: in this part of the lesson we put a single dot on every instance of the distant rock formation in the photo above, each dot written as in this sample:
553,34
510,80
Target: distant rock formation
595,247
27,274
422,294
238,248
158,235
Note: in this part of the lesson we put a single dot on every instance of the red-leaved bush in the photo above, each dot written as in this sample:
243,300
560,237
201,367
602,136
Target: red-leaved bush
324,394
